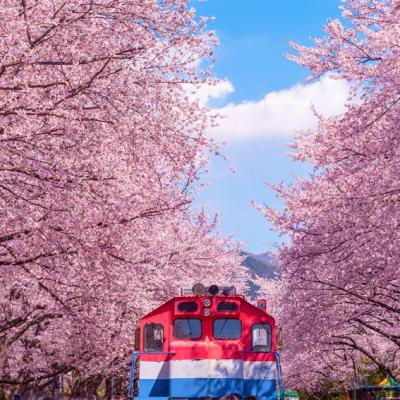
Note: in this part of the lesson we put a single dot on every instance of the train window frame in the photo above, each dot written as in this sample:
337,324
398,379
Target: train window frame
181,305
253,327
153,326
221,304
187,319
227,338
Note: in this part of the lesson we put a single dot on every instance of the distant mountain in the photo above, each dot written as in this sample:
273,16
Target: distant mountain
259,266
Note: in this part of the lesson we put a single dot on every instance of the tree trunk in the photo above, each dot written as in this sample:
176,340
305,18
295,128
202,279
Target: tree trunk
86,387
58,386
110,388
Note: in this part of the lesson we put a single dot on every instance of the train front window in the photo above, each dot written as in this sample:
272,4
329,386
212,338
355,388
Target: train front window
261,338
226,306
153,338
187,306
187,328
227,328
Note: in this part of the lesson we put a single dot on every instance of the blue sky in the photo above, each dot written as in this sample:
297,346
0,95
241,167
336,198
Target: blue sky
265,100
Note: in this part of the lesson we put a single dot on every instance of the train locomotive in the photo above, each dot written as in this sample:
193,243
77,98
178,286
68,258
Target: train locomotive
207,343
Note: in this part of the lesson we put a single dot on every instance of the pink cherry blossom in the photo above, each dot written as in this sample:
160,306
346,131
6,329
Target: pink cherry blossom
339,299
100,151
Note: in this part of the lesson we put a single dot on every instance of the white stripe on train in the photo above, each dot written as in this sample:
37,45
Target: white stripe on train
209,368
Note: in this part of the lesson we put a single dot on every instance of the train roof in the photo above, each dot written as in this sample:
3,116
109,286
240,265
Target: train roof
259,308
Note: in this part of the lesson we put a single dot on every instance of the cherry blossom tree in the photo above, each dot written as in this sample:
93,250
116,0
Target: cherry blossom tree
100,149
340,297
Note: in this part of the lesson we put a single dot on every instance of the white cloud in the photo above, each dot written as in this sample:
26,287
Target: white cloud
279,113
206,92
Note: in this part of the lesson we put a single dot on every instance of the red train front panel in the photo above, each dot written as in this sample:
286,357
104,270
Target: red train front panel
208,346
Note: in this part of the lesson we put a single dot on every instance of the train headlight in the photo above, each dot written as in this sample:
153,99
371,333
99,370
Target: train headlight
206,312
207,302
213,290
199,289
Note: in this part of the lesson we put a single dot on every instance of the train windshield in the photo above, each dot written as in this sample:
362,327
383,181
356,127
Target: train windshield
261,338
227,328
153,338
187,328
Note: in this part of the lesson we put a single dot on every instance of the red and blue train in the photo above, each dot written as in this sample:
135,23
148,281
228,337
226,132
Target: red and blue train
207,343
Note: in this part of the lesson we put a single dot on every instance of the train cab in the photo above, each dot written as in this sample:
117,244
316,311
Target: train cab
210,343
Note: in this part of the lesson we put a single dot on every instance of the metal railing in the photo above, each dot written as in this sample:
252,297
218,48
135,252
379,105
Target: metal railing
134,360
280,376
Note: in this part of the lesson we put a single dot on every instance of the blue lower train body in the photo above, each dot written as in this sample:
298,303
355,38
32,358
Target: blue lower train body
207,378
207,387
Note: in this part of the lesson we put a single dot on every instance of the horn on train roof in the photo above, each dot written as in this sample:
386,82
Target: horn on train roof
198,289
